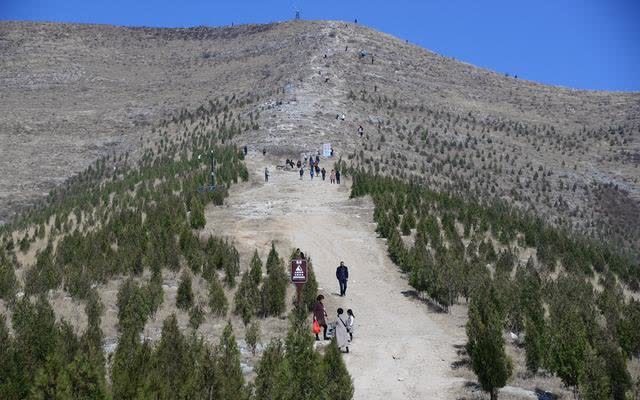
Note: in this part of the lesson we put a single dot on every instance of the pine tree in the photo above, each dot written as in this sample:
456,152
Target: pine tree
87,378
338,383
184,297
11,379
273,259
8,281
133,307
274,288
52,380
130,366
217,299
247,298
269,381
255,269
485,343
302,375
253,336
209,374
310,289
196,316
232,382
197,217
171,361
567,345
593,380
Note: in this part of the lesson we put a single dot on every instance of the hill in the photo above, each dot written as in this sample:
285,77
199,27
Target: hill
469,201
75,93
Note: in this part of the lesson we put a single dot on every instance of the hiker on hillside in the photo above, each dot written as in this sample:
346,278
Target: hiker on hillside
245,150
360,130
332,177
319,314
301,172
264,152
311,171
342,334
323,172
317,169
351,320
342,274
337,177
266,175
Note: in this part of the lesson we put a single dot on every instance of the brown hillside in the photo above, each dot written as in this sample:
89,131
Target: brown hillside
74,93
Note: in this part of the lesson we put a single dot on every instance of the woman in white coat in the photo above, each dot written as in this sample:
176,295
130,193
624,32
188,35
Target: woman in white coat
342,333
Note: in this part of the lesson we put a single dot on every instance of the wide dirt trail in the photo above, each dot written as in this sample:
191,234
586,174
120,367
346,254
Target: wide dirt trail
401,349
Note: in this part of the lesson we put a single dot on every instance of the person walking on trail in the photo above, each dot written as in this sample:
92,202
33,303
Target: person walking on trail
342,334
320,314
317,169
338,177
342,274
360,130
301,172
332,177
311,172
323,172
266,175
245,150
351,320
264,152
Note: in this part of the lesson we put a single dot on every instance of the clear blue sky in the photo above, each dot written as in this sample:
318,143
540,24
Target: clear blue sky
587,44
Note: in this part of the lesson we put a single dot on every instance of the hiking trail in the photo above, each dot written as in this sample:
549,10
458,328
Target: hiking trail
401,348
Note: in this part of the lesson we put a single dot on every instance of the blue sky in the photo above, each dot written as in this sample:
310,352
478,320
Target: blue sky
588,44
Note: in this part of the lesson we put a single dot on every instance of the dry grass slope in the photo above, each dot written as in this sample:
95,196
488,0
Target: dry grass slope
73,93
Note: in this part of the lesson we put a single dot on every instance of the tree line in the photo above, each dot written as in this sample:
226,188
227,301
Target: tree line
454,249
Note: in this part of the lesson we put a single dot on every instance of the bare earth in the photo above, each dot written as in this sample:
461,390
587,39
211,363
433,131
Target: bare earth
401,349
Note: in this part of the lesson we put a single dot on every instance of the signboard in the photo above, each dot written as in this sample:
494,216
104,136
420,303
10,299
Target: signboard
326,150
299,271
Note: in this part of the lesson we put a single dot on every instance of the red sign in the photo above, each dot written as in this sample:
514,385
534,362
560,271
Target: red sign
299,271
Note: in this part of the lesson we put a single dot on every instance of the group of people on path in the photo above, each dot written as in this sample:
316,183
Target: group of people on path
344,324
314,169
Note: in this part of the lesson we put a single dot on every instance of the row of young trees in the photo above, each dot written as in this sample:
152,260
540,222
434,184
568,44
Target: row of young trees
45,359
584,336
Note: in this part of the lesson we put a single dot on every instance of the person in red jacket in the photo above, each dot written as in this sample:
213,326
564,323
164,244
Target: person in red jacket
319,314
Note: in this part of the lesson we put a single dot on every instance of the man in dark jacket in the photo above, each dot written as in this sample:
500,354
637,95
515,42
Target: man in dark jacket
342,273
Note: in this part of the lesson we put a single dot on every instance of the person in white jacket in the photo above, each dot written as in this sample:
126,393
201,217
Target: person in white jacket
351,320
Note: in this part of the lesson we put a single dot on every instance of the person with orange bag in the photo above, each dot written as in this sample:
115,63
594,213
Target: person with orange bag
319,315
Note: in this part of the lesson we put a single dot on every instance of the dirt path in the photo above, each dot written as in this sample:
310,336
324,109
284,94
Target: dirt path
401,349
